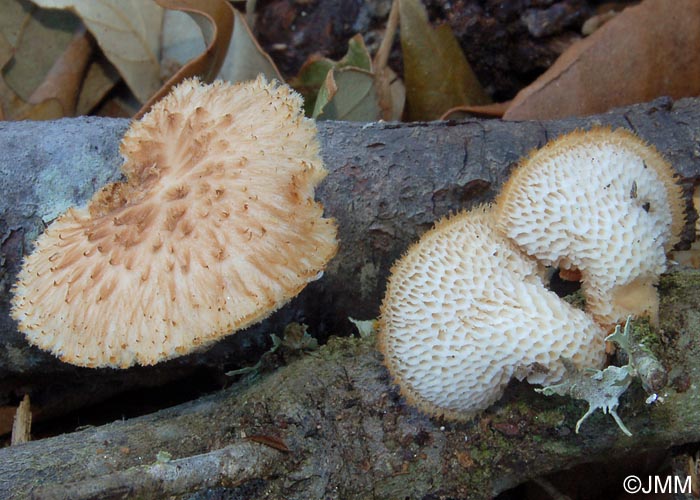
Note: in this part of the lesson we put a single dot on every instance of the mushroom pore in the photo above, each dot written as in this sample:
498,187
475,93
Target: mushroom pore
465,311
601,202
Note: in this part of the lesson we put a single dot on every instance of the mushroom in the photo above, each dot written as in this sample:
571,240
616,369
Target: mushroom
601,202
214,228
465,311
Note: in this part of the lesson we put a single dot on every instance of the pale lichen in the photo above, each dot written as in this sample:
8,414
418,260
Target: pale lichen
602,388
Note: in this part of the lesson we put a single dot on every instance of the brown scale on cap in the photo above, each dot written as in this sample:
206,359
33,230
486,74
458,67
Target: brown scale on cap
215,228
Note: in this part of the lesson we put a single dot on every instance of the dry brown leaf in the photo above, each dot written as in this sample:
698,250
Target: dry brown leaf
391,92
128,34
215,18
181,41
38,37
7,97
116,106
50,109
64,80
392,100
100,79
493,110
22,423
246,59
436,71
12,107
646,51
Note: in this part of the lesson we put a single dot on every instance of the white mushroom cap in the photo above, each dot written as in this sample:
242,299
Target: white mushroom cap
465,311
215,228
602,202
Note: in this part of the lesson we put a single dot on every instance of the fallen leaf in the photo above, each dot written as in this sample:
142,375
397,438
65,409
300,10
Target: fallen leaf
349,89
391,104
128,34
493,110
310,78
64,80
245,59
436,72
357,55
348,94
100,79
22,423
8,99
50,109
646,51
391,92
119,104
314,71
181,41
215,20
12,107
38,37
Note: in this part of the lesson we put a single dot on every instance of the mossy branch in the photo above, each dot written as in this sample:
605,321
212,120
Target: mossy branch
331,424
387,184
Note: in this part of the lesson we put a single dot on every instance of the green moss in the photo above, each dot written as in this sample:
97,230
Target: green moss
549,418
646,336
484,453
576,299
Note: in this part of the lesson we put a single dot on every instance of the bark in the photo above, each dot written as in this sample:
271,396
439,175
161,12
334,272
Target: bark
330,425
387,184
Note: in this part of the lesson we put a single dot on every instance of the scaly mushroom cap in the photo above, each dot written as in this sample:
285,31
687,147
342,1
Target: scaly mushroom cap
215,228
465,311
602,202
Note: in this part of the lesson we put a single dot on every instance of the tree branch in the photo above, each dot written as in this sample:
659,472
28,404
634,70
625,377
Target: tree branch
387,184
351,436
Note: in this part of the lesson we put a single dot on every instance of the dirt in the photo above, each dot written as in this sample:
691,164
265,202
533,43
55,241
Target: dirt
509,43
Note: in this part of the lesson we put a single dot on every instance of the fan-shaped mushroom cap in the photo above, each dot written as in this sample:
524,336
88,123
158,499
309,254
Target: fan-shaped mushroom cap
605,203
465,311
215,228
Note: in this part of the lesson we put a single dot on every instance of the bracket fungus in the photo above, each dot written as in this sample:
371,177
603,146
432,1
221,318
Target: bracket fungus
601,202
465,310
214,228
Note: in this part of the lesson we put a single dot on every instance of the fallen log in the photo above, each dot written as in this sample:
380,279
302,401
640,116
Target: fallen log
387,184
330,425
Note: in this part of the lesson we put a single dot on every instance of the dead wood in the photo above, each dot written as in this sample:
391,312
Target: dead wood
388,183
330,425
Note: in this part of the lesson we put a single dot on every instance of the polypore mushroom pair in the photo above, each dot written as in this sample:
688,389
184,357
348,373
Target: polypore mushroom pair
601,202
466,308
214,228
